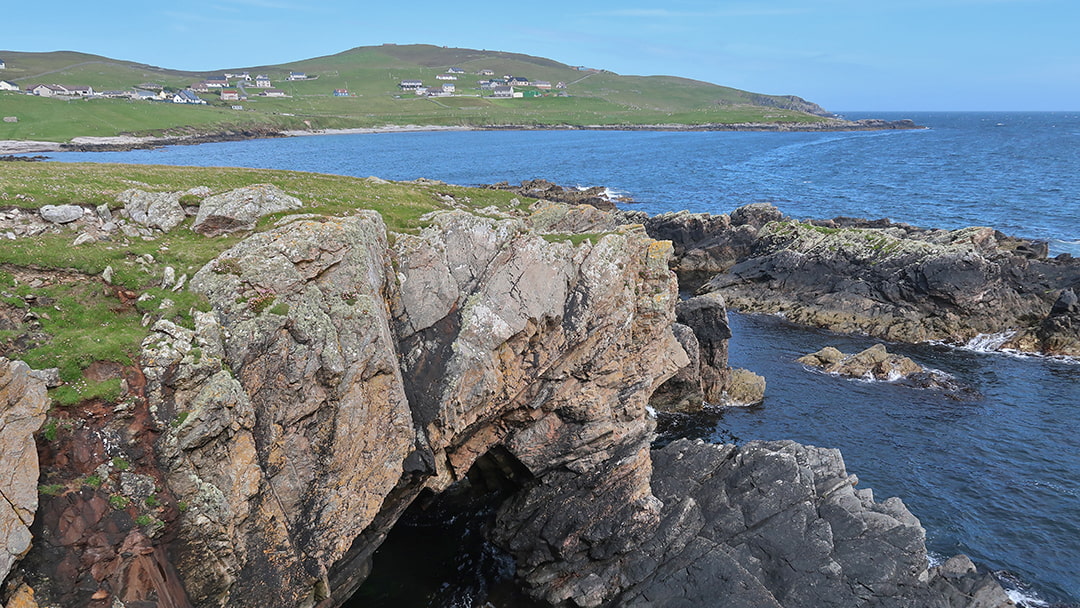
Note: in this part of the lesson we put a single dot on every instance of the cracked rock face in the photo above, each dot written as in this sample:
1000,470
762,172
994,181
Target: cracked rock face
782,524
337,377
23,402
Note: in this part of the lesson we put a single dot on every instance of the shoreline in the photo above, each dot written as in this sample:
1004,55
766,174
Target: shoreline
131,142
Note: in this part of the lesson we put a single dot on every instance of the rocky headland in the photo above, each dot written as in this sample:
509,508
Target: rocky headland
889,280
261,448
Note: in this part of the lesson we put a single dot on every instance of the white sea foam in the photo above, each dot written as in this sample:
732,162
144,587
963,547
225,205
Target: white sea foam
989,342
609,194
1018,592
1025,599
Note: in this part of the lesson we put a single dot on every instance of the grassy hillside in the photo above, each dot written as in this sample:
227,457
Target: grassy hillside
371,75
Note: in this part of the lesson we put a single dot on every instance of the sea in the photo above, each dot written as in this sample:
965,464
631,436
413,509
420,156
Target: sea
995,477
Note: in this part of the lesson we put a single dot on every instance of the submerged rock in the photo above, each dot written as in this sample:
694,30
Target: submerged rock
876,363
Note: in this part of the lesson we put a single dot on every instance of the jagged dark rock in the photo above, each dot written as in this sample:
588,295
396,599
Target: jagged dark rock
886,279
545,190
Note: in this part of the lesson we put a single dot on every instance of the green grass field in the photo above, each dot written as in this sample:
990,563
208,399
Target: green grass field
371,75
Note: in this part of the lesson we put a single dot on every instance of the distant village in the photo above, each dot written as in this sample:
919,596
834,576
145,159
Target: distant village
499,87
239,86
229,87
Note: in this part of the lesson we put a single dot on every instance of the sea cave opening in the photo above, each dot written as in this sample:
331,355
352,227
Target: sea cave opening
437,554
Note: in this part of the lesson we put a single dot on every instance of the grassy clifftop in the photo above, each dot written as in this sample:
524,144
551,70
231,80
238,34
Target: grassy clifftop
371,76
60,306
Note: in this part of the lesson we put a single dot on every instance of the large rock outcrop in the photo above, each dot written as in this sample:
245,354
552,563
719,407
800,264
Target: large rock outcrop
239,209
339,377
780,524
22,411
888,280
341,373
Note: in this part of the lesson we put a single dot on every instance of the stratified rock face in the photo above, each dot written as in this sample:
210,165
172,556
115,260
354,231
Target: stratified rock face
239,209
889,280
1059,333
781,524
22,411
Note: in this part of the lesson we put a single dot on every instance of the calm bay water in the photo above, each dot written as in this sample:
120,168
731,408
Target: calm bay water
997,477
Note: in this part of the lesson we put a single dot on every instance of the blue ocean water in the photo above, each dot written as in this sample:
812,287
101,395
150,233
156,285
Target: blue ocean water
1013,171
997,477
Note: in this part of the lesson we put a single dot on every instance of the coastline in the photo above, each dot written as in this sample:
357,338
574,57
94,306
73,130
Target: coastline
131,142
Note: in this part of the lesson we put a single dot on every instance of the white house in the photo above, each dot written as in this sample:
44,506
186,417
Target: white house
505,92
262,81
449,87
455,71
436,92
47,90
8,86
297,76
216,83
274,93
3,66
486,72
245,76
230,95
411,85
446,77
541,84
188,96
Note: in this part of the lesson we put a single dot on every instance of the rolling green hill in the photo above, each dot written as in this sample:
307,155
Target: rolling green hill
371,76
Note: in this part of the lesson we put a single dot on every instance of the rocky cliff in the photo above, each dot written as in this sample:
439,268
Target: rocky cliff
22,412
881,278
341,372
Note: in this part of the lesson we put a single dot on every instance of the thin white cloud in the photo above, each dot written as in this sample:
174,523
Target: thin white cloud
277,5
664,13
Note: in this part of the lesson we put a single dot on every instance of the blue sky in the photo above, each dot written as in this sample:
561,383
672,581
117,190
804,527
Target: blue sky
844,54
